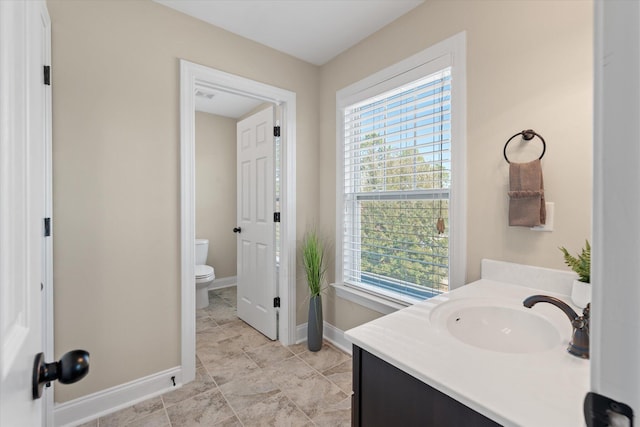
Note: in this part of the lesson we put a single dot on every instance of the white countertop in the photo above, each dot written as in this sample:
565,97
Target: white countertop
545,388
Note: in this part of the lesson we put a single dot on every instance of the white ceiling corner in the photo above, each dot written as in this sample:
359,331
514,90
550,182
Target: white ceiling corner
315,31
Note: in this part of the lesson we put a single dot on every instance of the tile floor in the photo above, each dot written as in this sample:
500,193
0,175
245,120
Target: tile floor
244,379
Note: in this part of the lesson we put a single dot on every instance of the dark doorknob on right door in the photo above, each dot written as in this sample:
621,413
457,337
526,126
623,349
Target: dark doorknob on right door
237,230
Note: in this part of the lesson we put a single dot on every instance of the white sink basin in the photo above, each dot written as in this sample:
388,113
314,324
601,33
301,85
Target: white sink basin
498,326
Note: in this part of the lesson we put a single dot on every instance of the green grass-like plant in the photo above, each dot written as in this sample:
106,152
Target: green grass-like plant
313,260
580,264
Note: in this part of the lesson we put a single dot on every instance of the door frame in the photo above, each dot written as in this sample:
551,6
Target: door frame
47,306
192,74
615,372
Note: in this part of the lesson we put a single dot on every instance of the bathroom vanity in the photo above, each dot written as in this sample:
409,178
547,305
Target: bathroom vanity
473,357
384,395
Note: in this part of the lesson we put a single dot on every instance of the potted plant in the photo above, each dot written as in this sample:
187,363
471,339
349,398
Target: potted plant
581,264
314,266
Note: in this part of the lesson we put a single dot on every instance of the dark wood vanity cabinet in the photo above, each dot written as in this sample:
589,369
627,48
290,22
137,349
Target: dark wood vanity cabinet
385,396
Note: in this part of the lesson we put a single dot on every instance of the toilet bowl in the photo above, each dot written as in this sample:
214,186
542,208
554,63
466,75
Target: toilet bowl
205,274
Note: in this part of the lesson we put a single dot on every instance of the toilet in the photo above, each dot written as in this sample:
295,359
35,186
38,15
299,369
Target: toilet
204,273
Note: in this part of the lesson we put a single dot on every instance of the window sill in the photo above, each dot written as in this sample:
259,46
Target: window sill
366,299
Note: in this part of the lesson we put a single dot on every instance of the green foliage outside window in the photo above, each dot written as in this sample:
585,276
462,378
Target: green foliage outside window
399,239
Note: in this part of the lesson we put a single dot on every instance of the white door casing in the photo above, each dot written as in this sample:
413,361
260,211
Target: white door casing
193,76
615,317
47,241
255,206
24,38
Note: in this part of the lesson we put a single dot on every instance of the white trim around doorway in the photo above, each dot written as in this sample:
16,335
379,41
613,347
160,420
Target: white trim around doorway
192,74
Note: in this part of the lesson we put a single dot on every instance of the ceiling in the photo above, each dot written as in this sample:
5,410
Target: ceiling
224,104
314,31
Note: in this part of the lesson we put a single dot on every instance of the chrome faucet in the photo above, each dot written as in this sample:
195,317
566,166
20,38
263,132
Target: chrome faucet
579,345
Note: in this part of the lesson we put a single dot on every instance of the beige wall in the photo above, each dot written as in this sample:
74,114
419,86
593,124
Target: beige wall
116,152
216,190
116,157
529,65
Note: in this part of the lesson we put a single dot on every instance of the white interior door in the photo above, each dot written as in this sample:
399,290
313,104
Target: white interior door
24,36
255,198
615,336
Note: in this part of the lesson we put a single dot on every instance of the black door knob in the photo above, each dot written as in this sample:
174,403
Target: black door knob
72,367
237,230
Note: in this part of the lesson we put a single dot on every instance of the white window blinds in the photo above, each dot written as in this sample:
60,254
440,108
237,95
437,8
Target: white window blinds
397,174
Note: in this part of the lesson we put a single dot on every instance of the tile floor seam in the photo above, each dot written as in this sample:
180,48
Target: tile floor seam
298,407
315,371
209,373
164,408
331,367
309,365
334,383
347,395
199,394
235,413
280,388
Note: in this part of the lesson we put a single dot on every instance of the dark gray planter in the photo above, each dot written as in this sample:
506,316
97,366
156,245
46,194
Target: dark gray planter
314,326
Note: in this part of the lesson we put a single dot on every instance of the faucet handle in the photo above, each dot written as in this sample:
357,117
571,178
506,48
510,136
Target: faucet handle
579,322
582,321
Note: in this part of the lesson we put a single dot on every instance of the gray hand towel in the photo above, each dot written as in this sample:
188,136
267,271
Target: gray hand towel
526,204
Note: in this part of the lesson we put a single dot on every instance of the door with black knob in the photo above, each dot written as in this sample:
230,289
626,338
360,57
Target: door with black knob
255,228
25,115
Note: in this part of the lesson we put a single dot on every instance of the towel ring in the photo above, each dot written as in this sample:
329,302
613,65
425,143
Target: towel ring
527,135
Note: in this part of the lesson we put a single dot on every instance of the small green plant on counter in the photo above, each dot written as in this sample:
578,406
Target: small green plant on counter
313,260
580,264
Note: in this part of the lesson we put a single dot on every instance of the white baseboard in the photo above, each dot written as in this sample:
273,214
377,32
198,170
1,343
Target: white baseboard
336,337
104,402
223,282
330,333
301,333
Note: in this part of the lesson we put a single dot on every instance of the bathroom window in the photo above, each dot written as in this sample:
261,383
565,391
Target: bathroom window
398,180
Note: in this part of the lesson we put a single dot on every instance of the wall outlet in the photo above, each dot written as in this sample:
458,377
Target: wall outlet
549,220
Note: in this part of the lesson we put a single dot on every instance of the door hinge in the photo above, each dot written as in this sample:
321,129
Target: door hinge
47,227
276,217
47,75
276,131
276,302
601,411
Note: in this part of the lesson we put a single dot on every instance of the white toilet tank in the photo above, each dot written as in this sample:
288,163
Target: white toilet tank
202,249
